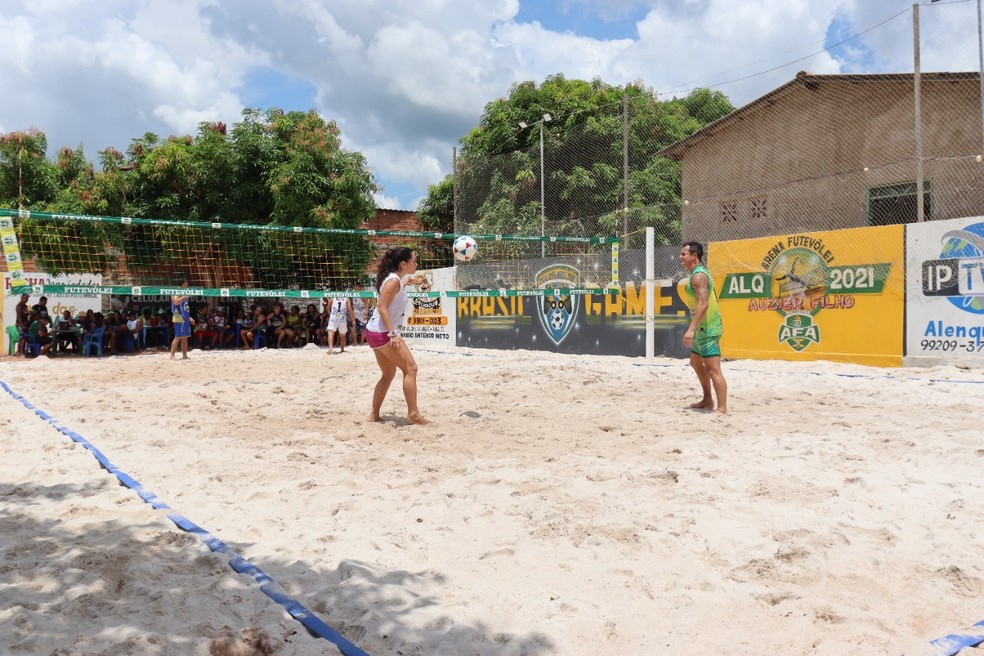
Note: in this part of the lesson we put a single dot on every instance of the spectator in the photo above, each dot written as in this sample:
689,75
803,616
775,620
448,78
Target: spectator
295,327
223,332
205,333
338,319
42,308
312,324
116,331
277,324
22,319
240,321
360,315
88,324
135,325
249,332
38,332
67,334
322,332
149,328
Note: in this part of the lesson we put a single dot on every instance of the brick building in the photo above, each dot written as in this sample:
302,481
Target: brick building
834,151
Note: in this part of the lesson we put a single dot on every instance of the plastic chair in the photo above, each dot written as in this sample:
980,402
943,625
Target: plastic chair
93,339
239,327
13,336
159,333
31,349
131,342
259,336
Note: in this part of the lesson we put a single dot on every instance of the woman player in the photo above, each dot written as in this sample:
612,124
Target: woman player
383,334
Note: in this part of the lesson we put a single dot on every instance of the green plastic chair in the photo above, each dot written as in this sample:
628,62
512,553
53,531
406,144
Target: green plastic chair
14,336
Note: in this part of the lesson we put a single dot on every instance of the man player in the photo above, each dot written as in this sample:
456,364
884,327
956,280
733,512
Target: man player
703,337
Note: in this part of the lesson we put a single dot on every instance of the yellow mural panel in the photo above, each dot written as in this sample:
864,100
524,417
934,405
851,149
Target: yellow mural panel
835,295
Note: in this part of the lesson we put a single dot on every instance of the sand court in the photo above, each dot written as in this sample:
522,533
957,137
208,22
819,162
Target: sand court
557,504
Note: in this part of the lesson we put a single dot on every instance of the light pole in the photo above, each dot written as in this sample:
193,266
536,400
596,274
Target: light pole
980,65
543,216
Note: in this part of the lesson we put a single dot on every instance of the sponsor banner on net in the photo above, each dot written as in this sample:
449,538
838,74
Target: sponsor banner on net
945,290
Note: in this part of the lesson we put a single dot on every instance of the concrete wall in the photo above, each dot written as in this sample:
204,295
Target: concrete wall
804,154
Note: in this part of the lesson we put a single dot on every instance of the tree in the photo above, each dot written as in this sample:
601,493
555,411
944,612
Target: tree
27,178
499,167
436,214
273,168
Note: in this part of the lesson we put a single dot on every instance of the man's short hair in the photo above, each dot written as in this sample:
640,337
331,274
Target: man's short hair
43,298
695,247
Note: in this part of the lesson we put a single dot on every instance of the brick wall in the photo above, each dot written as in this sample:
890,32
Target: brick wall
394,220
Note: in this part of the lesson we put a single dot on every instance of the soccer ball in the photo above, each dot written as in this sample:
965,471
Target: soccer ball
464,248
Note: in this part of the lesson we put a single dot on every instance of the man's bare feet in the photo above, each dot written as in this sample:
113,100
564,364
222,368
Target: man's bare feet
703,405
723,411
416,418
373,417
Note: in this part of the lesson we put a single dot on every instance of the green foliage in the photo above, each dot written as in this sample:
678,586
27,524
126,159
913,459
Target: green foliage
499,167
27,178
272,168
436,211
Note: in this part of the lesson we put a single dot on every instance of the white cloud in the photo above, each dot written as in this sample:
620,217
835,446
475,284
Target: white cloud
727,42
406,80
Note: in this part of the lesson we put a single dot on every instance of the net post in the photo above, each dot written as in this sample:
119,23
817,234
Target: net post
615,282
650,292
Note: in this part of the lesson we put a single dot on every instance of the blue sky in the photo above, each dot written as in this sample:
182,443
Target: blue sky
406,80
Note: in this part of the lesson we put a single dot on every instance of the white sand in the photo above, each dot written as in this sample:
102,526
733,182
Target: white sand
558,504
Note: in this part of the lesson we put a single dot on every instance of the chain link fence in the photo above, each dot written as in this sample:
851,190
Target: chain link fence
835,148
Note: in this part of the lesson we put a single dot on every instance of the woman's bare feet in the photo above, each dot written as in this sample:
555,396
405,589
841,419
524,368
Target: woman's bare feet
703,405
416,418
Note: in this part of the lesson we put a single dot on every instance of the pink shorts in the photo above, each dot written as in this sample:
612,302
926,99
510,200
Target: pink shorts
376,339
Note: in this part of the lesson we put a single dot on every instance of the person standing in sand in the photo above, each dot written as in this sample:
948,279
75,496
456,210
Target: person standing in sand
703,336
395,270
181,318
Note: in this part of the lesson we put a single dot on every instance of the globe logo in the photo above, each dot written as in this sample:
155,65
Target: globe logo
965,243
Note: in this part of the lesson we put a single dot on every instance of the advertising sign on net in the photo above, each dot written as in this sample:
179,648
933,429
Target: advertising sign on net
945,292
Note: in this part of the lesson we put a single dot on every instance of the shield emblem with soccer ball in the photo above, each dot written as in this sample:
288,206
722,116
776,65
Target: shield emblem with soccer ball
558,310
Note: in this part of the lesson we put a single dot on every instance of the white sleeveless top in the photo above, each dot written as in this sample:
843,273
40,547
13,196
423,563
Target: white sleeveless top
397,308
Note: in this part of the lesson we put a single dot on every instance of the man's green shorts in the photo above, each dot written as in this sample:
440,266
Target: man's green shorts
706,346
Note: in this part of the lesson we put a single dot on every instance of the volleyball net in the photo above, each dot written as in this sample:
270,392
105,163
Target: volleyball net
124,256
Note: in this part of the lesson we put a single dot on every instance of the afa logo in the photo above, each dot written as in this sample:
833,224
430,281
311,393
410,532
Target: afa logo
799,331
558,310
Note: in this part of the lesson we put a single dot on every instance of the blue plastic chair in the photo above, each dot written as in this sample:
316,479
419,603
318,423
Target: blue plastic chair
131,341
259,336
31,349
93,339
158,332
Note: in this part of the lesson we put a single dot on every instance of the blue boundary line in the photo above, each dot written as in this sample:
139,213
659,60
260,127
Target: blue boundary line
952,644
239,564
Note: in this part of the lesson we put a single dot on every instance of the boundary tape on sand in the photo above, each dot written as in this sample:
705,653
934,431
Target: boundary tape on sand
953,644
239,564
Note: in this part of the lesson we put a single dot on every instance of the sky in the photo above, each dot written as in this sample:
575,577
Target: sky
405,80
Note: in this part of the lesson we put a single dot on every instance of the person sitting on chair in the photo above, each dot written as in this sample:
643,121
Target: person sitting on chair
135,325
38,333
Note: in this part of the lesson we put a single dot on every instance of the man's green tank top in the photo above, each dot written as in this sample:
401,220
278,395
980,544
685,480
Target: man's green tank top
711,324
